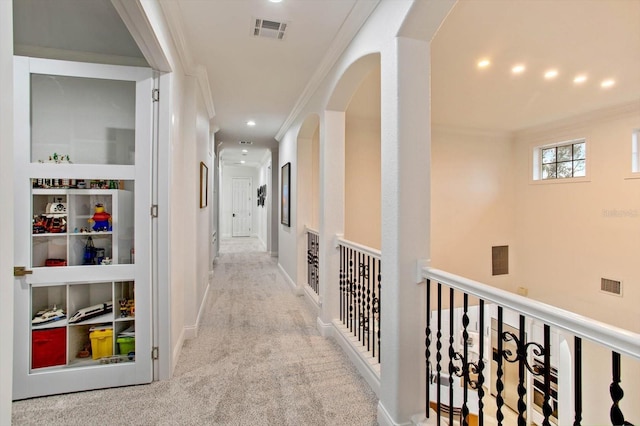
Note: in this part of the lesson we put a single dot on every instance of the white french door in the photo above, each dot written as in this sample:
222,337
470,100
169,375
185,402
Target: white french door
241,207
82,226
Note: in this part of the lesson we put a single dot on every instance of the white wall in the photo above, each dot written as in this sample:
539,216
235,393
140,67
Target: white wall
472,193
287,235
226,204
570,235
188,146
6,213
362,164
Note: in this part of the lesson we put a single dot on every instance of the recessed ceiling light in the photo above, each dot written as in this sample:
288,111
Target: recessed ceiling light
484,63
580,79
245,150
518,69
275,1
607,83
551,74
242,161
251,123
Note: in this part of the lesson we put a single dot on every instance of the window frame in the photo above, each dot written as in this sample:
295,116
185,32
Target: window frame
536,176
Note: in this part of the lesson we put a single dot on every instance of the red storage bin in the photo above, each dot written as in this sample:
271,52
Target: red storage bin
48,347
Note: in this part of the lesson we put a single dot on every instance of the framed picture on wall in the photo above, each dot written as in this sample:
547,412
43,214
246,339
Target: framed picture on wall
204,185
285,188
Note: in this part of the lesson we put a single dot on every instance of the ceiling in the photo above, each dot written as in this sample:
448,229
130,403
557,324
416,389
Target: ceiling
600,38
265,80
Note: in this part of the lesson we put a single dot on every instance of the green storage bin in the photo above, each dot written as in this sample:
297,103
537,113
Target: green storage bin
126,344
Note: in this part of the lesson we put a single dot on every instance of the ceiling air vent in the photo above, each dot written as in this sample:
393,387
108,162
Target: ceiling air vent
245,143
611,286
269,29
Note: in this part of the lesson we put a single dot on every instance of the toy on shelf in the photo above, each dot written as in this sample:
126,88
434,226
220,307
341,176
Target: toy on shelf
91,312
53,220
101,220
127,308
47,316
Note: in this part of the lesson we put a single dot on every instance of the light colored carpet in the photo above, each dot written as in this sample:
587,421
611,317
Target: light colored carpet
258,360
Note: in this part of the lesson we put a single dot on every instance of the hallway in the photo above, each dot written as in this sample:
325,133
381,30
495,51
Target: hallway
258,359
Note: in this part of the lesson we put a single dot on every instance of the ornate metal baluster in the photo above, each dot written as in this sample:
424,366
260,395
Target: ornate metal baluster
351,291
368,307
616,392
438,353
427,352
465,361
480,369
522,390
342,270
452,353
547,410
499,372
379,305
577,372
374,313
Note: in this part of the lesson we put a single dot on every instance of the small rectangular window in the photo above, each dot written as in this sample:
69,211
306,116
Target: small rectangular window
561,161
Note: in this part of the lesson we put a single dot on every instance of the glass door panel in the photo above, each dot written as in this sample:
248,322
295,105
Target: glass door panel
82,120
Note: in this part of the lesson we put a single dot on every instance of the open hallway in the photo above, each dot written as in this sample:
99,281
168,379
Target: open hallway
258,359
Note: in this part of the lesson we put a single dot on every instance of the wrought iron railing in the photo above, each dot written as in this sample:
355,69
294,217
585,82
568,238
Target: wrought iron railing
313,250
448,302
360,285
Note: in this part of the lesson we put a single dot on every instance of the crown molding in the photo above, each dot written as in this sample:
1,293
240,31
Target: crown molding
627,109
135,19
352,24
173,15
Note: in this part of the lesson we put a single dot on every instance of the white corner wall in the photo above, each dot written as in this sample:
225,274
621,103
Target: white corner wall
187,126
288,235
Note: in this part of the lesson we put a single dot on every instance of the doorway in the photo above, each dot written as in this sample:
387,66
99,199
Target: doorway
241,207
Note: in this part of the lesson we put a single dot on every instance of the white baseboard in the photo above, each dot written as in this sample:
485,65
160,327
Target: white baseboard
312,296
367,367
384,418
191,331
325,328
288,279
177,349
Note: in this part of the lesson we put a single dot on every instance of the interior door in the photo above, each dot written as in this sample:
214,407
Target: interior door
241,207
82,226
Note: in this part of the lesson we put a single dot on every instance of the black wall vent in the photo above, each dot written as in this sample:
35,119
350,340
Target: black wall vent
611,286
499,260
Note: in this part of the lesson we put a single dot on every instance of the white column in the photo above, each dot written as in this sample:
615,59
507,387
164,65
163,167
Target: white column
304,203
406,146
332,135
6,213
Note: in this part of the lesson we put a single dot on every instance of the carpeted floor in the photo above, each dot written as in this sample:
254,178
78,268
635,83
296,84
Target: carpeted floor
258,360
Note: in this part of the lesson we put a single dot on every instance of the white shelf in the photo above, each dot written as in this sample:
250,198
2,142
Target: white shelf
90,234
108,317
56,234
54,324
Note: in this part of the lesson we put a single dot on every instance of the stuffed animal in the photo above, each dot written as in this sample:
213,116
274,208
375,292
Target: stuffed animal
101,220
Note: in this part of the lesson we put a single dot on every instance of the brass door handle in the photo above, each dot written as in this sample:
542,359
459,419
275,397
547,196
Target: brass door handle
21,271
